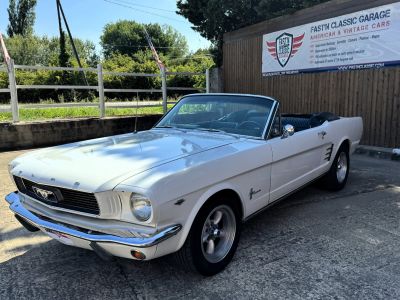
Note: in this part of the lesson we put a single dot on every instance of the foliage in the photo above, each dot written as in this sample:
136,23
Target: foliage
142,62
213,18
21,17
197,62
128,38
29,114
63,56
35,50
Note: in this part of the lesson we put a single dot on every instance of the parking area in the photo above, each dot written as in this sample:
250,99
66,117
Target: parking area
314,244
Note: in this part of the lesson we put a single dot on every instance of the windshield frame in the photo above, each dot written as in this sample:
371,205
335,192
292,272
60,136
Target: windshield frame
268,123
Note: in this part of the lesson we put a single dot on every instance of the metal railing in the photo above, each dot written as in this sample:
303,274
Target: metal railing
14,87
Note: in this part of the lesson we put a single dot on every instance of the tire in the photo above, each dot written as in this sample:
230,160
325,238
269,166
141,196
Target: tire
210,245
336,178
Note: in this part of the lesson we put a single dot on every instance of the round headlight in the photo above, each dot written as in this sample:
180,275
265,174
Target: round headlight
141,207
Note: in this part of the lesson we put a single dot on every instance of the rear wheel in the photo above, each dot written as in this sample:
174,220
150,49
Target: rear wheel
213,238
336,178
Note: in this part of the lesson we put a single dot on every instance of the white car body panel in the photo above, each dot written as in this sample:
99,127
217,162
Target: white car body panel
167,165
108,161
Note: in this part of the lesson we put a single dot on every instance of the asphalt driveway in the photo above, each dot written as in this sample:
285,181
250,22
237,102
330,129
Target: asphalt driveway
315,244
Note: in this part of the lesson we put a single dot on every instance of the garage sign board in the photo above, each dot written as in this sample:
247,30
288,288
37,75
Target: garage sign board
361,40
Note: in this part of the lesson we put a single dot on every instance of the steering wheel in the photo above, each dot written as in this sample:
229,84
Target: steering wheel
249,125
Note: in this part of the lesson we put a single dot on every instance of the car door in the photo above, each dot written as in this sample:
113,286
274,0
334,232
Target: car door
298,159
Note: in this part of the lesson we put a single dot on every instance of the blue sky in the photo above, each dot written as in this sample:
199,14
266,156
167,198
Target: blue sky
87,17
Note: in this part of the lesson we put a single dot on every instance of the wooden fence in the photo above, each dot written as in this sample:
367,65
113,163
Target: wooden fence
373,94
13,88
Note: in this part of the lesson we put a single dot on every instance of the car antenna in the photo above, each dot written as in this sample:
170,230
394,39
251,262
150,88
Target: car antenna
159,64
136,113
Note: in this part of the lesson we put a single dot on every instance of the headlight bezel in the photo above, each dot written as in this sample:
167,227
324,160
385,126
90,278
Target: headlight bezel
141,208
11,166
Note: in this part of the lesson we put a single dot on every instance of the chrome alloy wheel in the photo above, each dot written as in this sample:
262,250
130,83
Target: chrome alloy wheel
342,165
218,233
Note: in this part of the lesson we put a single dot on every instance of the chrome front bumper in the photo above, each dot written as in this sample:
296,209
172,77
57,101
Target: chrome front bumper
139,242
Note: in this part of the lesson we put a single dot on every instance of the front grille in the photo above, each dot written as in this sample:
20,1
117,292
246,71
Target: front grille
60,197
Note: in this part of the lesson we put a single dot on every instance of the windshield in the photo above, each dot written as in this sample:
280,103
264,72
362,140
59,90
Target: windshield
244,115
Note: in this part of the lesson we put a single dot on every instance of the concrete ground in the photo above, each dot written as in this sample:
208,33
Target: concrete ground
313,245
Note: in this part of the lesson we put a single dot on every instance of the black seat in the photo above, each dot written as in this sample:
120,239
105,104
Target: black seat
299,124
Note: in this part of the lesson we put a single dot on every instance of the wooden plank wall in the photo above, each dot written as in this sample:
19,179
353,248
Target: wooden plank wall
373,94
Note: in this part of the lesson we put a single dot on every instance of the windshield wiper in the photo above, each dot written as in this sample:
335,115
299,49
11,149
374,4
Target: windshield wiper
172,127
209,129
218,131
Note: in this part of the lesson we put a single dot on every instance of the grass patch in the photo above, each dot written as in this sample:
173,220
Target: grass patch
37,114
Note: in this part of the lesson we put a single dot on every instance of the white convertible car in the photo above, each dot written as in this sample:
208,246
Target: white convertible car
186,185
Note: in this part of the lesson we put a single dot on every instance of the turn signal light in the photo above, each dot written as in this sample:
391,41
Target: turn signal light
138,255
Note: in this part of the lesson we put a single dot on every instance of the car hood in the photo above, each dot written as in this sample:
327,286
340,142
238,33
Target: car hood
100,164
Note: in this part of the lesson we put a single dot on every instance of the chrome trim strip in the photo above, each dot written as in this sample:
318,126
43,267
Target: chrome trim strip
270,120
52,184
139,242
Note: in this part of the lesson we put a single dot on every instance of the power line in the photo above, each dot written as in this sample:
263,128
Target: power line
129,46
189,58
140,46
145,46
145,6
143,11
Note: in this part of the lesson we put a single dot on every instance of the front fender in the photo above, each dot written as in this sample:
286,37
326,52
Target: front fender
187,211
201,201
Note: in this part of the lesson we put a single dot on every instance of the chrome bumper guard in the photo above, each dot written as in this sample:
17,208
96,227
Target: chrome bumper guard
139,242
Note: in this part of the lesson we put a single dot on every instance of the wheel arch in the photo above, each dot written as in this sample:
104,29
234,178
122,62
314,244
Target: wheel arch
345,141
207,197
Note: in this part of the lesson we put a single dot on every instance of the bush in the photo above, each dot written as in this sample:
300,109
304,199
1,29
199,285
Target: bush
140,62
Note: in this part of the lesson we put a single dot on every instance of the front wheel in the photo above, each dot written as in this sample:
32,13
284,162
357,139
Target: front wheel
213,239
336,178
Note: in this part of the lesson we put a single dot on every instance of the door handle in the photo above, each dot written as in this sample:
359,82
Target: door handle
322,134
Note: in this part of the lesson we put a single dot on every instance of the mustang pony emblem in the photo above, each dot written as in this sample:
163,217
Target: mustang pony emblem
46,195
284,47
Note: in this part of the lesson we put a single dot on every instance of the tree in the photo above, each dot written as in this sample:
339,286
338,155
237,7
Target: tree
213,18
34,50
128,38
21,16
196,62
63,56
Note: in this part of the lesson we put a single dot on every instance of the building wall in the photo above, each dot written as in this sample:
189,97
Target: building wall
373,94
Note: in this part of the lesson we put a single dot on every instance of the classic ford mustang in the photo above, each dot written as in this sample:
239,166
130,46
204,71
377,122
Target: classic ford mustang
185,186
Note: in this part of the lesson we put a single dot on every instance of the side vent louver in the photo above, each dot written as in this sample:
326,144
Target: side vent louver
328,153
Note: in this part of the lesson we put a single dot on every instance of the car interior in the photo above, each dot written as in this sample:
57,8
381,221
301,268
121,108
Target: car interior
300,122
249,122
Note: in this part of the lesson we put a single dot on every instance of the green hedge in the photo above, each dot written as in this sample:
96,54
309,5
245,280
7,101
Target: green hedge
117,63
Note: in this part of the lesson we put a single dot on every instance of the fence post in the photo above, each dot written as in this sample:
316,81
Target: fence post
13,91
102,104
207,81
164,89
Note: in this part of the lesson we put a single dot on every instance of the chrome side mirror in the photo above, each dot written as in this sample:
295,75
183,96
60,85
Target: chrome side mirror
288,130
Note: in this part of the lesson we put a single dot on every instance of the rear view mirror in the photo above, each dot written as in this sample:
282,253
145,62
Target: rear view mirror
288,130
